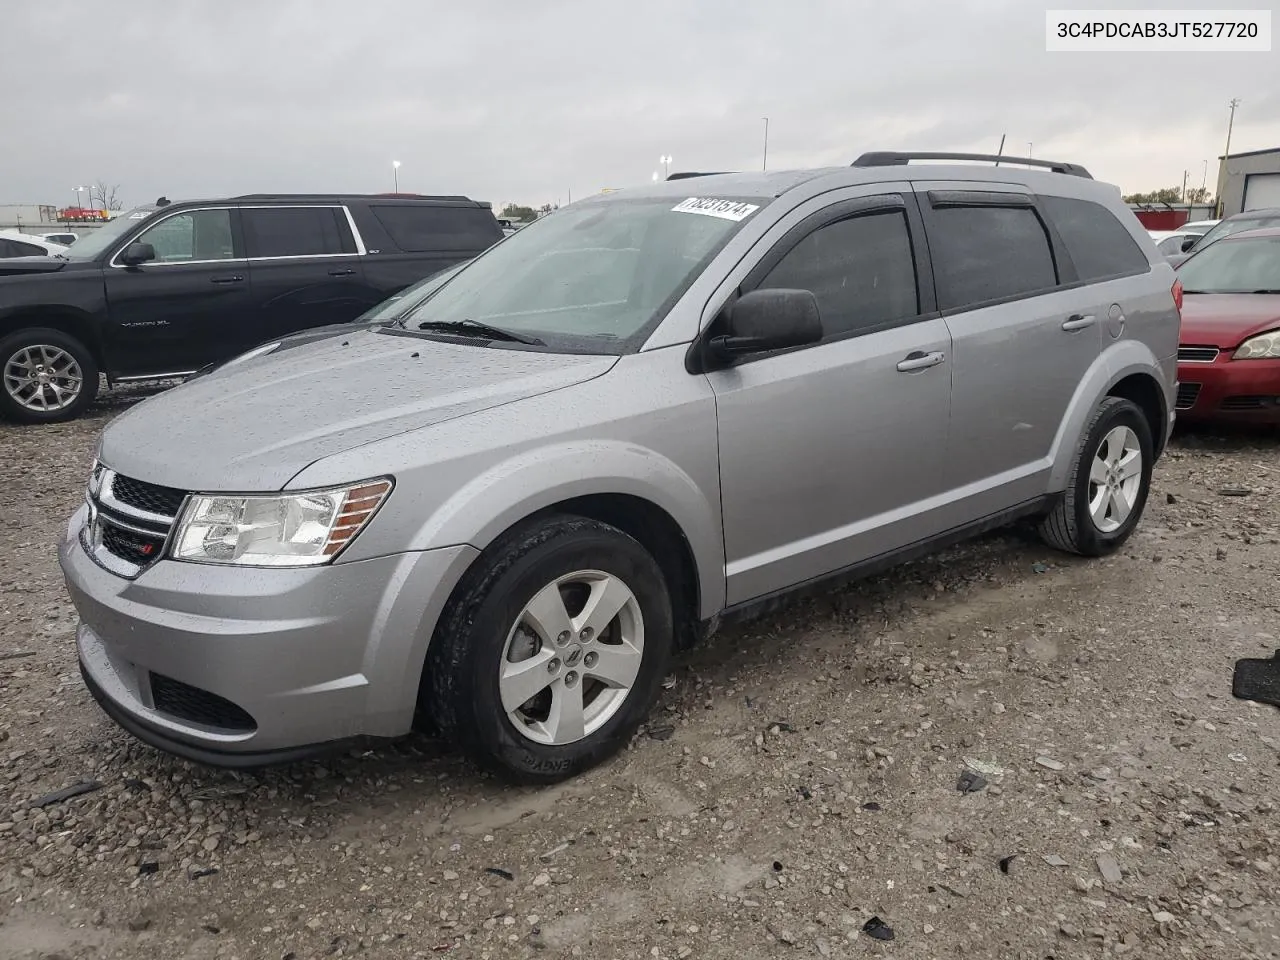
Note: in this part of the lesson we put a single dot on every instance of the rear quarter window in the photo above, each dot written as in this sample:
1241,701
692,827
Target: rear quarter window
428,229
1099,245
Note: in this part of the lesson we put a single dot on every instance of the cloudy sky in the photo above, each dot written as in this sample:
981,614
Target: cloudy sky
536,101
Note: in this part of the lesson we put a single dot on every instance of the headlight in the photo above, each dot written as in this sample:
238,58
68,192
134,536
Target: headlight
1265,346
276,530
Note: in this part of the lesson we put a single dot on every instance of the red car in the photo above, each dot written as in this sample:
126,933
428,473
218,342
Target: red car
1229,351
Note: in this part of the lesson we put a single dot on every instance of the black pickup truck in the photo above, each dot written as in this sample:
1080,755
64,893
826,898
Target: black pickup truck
168,288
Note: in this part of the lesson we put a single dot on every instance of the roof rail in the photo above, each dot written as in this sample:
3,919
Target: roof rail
353,196
889,158
690,173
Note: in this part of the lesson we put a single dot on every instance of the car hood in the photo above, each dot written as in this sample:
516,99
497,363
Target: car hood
253,425
12,266
1224,320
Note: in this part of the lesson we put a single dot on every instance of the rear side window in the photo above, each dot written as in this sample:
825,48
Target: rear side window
296,231
16,248
1098,243
418,228
860,270
988,253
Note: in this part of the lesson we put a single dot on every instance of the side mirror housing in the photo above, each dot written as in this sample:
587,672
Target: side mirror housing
1188,243
136,253
765,320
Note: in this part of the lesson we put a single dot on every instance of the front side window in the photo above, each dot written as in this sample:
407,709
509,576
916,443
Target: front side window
195,236
1246,265
296,231
593,278
860,270
988,253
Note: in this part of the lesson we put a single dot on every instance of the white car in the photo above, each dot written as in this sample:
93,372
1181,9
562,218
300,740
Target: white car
14,244
1198,227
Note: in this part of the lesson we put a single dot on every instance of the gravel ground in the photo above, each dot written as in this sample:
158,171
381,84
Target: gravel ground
798,779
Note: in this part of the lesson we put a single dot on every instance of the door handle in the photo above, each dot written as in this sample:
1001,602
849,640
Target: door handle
1078,321
341,273
920,361
234,278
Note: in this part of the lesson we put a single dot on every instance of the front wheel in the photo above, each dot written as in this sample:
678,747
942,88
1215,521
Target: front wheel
550,653
1109,482
46,376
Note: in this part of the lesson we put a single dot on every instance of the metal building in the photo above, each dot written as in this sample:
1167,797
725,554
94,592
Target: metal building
1249,181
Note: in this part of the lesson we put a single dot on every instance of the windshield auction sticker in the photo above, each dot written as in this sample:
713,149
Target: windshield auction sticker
711,207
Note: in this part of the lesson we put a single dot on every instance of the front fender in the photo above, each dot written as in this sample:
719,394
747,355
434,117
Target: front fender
1118,361
500,497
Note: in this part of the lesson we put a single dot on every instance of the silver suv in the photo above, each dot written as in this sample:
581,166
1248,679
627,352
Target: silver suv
498,504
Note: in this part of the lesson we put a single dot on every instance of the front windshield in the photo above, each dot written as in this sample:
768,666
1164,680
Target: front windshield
1239,266
594,278
394,307
92,243
1227,228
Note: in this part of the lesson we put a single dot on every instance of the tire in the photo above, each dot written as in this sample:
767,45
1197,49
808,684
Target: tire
20,399
486,628
1072,525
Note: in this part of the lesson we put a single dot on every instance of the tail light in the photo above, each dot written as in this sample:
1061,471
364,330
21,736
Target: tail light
1177,295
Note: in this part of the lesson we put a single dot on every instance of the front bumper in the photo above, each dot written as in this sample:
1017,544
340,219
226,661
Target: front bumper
267,664
1243,391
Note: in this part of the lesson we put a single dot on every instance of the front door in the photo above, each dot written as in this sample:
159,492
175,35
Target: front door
185,308
305,268
831,453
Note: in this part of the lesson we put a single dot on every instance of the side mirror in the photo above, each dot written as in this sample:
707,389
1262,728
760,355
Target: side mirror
136,253
1188,243
764,320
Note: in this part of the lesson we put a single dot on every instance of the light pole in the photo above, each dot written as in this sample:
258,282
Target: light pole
665,160
764,165
88,192
395,172
1220,207
1028,149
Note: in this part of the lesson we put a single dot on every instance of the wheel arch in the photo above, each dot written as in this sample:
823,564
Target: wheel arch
1127,369
69,320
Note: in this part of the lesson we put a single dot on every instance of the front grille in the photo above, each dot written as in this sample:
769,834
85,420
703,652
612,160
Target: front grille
150,497
1249,403
185,702
127,545
129,522
1187,393
1198,354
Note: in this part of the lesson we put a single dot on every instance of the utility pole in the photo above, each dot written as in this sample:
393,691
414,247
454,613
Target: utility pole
1226,155
765,164
1184,186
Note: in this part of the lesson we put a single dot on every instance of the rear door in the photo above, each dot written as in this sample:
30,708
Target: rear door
1024,334
187,307
305,267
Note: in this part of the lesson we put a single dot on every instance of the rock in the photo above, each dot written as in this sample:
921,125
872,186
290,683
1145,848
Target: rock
877,929
1069,931
210,844
1050,764
1054,860
970,782
1109,869
542,879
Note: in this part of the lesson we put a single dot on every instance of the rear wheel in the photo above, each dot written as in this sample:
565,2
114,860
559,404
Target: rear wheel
1107,490
549,655
46,376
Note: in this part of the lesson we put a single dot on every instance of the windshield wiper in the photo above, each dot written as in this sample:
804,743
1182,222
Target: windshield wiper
475,326
1264,291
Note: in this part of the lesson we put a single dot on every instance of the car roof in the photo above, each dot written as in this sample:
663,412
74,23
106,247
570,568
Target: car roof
1259,214
774,183
1259,234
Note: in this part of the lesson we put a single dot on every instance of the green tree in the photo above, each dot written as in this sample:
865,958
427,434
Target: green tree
1167,195
515,212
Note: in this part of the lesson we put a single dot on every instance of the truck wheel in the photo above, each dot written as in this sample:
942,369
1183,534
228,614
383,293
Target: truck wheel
1107,489
46,376
549,655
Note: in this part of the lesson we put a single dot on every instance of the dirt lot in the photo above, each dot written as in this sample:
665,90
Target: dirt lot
798,779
